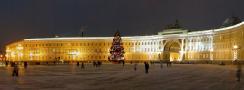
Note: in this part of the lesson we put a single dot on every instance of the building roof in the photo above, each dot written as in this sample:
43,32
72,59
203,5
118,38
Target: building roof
167,34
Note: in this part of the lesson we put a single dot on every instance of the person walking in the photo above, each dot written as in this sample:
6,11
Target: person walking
161,64
25,65
99,63
167,63
78,64
82,65
6,64
135,66
94,64
238,72
123,62
170,64
146,67
15,71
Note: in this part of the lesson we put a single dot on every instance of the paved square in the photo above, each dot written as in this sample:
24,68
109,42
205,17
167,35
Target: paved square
117,77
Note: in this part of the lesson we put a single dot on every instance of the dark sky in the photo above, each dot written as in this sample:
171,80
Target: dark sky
21,19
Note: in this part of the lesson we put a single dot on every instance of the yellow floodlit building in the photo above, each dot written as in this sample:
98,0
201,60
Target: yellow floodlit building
172,44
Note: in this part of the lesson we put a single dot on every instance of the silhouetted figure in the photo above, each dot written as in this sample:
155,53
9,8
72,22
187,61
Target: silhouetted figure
222,63
161,64
135,66
25,65
146,67
238,72
12,64
15,71
78,64
6,63
94,64
99,63
82,65
123,62
169,64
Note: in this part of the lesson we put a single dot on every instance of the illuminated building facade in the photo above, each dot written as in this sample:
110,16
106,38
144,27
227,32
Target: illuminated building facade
172,44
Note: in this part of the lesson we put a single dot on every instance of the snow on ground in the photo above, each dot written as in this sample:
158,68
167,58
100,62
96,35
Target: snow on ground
117,77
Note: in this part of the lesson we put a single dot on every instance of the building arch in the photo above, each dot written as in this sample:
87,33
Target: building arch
172,50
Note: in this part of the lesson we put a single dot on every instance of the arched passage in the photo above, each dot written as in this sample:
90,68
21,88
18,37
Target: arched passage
172,51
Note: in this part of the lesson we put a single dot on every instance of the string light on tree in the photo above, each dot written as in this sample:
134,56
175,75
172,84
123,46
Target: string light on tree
117,49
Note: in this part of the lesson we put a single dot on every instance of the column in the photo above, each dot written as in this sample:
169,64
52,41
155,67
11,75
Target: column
211,47
182,50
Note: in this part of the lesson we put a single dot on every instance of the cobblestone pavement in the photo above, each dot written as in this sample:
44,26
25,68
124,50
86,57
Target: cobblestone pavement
117,77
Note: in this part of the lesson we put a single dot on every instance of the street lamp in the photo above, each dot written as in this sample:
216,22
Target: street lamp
235,47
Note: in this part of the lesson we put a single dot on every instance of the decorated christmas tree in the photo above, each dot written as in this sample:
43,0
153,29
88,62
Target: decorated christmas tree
117,49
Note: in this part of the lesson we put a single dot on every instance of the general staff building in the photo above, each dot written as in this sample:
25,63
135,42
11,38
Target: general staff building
174,44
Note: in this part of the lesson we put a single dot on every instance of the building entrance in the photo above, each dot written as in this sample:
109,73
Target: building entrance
174,56
172,51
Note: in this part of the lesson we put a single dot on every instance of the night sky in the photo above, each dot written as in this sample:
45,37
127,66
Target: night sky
21,19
